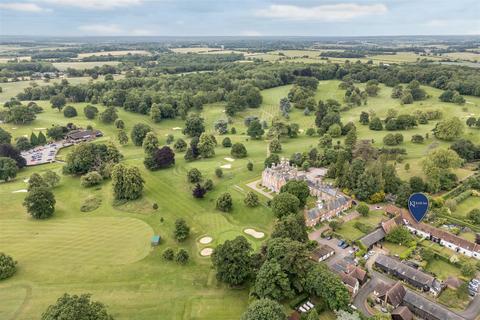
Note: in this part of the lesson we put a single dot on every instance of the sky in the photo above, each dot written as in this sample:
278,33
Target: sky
239,18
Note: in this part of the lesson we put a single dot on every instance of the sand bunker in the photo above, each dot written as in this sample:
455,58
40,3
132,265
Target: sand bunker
177,128
206,252
226,166
229,159
254,233
40,128
20,191
205,240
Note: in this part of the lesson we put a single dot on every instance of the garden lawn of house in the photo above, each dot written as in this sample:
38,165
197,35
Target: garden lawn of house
393,248
449,298
443,269
348,230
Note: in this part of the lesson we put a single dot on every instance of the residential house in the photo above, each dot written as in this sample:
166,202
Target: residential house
412,276
401,313
323,252
391,295
442,237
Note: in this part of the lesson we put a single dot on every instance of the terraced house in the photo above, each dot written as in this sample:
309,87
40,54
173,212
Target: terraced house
442,237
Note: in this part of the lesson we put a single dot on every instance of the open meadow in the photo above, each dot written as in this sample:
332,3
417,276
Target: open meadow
107,251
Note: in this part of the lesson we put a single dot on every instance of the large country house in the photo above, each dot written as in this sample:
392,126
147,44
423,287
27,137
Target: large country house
331,202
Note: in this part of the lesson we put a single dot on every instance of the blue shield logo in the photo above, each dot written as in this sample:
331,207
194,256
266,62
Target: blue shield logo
418,206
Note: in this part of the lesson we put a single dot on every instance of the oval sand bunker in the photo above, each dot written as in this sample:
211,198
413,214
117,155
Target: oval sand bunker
254,233
205,240
206,252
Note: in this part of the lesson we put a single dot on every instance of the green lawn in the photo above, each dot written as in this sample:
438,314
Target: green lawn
107,251
393,248
443,269
348,230
464,207
449,298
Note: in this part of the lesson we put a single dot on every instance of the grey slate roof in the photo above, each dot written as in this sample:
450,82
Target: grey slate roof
373,237
434,309
407,271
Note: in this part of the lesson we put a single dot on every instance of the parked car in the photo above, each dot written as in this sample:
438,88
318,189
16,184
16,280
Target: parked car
345,245
329,238
341,243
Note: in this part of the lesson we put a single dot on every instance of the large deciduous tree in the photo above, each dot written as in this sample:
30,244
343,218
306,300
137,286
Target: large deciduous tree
232,261
160,159
449,129
284,204
139,132
76,307
127,182
194,126
8,168
298,188
264,309
40,203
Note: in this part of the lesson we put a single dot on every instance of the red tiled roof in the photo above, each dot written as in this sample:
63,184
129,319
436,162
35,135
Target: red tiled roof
437,233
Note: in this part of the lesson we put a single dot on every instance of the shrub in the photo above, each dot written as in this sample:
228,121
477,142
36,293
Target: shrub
251,199
168,254
69,112
363,209
238,150
363,227
227,143
91,179
180,145
8,266
90,112
224,202
249,166
219,172
182,256
194,175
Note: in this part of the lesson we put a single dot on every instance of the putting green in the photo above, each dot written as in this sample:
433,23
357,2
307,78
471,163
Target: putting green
93,240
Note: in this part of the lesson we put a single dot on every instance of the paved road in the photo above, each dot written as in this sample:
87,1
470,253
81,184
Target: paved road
360,300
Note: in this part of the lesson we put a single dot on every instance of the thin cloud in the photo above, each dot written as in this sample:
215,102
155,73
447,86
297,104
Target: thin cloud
101,29
21,6
327,13
251,33
93,4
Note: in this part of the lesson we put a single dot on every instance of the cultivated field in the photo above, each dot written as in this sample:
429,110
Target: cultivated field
62,66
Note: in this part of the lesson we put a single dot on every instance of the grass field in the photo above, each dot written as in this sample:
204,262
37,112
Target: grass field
464,207
313,56
107,252
112,53
62,66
